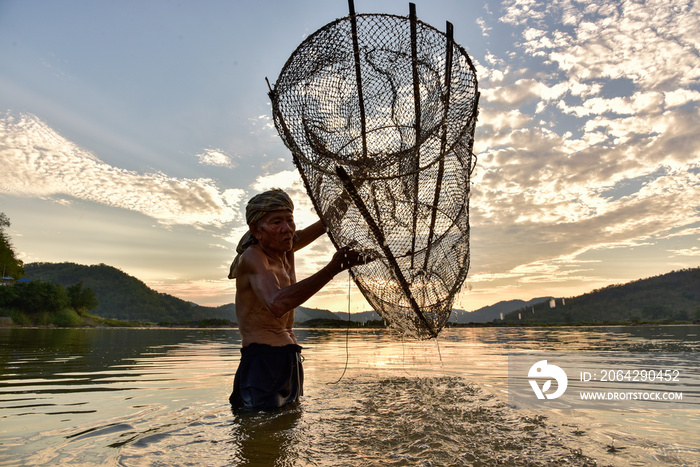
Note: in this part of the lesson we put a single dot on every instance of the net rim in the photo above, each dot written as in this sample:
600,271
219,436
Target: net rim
327,26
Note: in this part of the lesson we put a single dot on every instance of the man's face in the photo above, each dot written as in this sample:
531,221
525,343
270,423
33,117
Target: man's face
276,230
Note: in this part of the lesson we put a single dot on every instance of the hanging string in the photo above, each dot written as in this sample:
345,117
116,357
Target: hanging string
403,354
347,334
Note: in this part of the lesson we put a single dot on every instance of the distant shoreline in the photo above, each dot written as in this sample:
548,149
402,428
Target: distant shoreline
336,324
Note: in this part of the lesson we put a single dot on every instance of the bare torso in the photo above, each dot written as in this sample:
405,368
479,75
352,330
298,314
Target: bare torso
267,290
256,322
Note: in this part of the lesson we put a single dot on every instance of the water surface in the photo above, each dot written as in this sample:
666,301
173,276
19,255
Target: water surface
137,397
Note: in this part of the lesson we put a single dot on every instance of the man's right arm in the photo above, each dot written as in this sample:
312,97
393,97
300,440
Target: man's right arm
281,300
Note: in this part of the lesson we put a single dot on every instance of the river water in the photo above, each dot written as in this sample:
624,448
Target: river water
148,397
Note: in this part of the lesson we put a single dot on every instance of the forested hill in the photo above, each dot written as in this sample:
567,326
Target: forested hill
125,297
670,297
674,297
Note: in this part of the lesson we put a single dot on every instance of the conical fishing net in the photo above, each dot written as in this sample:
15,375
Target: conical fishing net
379,113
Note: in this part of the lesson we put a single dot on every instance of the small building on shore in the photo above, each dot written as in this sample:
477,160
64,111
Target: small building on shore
9,280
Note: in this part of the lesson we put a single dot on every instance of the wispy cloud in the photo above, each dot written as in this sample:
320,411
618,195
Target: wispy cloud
216,158
694,251
39,162
485,29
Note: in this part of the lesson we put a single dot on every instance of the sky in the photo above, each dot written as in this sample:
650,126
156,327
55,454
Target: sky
133,133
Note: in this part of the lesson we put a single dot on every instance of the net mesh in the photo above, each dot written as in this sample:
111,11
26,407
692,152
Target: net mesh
379,113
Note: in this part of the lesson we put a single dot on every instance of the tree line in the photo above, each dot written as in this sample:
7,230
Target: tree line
11,266
43,303
38,302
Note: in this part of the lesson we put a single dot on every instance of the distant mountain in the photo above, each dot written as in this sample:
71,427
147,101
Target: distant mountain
491,312
482,315
124,297
361,317
670,297
302,314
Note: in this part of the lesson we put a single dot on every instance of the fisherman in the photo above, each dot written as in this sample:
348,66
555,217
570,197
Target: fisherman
270,372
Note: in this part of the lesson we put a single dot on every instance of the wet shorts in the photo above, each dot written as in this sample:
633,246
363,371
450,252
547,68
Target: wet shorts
268,377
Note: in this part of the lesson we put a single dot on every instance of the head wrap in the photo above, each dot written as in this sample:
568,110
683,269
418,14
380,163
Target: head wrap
258,206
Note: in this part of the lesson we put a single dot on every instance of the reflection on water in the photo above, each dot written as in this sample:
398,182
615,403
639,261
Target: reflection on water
266,438
160,396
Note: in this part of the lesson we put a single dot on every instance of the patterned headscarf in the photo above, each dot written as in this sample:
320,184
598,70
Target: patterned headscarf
257,208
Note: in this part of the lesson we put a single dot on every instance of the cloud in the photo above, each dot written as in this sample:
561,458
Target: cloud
680,97
639,102
483,26
216,158
649,42
512,95
694,251
619,137
284,179
541,197
38,162
522,226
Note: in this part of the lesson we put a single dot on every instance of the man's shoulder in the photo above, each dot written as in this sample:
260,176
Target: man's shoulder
251,259
254,258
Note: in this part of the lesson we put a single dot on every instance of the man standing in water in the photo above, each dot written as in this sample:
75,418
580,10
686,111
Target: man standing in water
270,372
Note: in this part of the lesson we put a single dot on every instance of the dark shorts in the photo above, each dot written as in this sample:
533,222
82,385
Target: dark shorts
268,377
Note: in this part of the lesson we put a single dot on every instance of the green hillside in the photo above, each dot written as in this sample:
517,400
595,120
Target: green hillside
124,297
670,297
